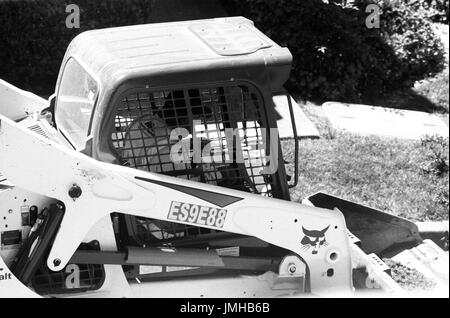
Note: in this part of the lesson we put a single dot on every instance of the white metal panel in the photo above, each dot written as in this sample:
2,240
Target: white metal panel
16,103
111,188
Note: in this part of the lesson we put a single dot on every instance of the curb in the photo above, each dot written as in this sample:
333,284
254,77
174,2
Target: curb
435,231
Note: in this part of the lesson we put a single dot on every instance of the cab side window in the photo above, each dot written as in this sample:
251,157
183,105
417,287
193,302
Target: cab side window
75,103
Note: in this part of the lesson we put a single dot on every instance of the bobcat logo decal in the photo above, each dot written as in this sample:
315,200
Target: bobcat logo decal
314,239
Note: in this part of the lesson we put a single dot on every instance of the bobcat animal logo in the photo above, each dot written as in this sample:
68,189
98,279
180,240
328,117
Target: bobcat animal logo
314,239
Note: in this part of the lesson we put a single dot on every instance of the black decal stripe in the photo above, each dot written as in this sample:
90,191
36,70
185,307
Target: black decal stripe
218,199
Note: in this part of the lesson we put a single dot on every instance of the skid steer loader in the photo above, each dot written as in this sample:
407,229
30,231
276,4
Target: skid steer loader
155,170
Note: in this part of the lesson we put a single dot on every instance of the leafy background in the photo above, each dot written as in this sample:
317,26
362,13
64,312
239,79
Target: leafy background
336,57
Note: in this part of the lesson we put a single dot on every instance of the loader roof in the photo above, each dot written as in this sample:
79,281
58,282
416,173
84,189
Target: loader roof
143,50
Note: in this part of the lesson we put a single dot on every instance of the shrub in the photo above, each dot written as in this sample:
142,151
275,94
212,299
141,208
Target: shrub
336,56
435,155
411,37
434,10
34,36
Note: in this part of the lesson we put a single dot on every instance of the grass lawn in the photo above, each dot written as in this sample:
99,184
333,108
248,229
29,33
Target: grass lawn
436,89
406,178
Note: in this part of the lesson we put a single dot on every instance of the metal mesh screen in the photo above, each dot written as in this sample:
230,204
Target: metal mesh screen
74,278
218,132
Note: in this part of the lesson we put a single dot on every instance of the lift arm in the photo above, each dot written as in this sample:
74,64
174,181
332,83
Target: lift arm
91,190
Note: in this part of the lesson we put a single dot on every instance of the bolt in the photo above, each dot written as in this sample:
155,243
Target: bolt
56,262
75,192
10,211
292,268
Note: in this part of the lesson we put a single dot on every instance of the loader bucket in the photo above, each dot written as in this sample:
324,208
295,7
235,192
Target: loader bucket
380,232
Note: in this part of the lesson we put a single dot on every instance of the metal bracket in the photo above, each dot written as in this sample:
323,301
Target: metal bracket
294,130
